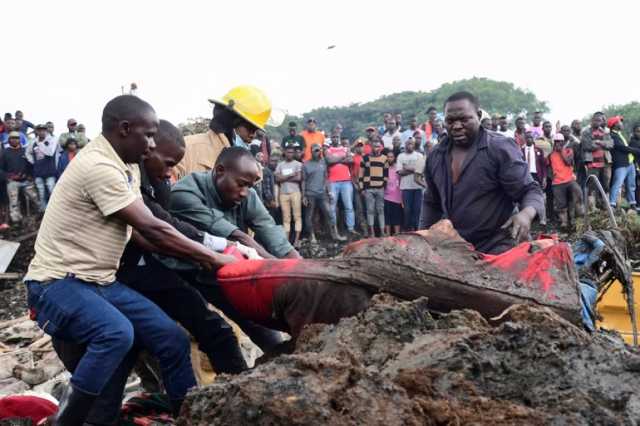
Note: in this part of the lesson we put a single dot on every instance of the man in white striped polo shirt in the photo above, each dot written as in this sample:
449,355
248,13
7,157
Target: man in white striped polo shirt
72,289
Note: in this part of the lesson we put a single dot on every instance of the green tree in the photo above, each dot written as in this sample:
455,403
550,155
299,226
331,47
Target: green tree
495,97
630,112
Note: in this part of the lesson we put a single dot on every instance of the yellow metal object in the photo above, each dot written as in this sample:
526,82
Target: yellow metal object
613,309
249,103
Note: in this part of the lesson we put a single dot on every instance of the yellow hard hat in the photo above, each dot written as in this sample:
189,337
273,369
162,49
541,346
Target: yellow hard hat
249,103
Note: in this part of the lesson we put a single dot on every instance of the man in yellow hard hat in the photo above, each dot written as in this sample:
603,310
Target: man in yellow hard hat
236,118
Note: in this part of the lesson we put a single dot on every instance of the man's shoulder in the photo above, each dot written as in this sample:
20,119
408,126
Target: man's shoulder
191,182
197,138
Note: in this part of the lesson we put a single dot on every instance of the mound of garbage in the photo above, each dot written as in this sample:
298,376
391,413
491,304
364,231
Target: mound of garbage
395,364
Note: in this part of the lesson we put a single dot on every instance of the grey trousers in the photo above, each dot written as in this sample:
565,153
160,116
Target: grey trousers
374,199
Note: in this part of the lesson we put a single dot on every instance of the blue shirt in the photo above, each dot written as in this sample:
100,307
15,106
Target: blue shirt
24,141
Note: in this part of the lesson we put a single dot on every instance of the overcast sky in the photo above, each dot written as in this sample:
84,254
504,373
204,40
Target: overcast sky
68,58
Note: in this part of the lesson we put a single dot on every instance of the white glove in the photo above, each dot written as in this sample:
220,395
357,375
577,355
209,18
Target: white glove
217,244
248,252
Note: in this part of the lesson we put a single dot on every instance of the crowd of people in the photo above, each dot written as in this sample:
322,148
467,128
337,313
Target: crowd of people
378,179
32,158
155,214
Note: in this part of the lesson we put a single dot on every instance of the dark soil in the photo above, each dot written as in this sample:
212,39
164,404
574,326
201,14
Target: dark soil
13,301
394,364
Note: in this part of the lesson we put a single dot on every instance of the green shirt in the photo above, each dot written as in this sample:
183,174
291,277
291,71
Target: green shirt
195,199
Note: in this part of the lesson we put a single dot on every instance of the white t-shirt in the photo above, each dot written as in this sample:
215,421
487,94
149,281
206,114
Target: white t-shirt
387,139
409,160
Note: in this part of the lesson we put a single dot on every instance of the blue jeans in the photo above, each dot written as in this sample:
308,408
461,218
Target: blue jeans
622,175
45,189
106,319
344,189
412,200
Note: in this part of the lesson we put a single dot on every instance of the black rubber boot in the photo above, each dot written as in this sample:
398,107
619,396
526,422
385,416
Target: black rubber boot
176,404
228,359
74,408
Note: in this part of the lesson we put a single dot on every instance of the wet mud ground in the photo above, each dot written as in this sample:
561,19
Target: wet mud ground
396,364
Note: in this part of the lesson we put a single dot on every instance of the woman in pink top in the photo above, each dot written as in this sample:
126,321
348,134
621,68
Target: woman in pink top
393,214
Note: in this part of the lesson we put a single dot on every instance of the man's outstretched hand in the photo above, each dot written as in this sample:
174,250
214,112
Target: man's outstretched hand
520,224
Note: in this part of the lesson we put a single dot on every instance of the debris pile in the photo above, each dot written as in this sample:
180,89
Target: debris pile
397,364
27,360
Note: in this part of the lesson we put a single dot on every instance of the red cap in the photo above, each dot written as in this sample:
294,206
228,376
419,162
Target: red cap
614,120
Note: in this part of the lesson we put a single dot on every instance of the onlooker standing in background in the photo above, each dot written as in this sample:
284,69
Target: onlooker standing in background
295,140
339,159
72,127
536,160
411,131
390,133
519,133
289,176
503,126
566,191
411,190
358,196
65,157
635,143
373,176
596,146
315,191
624,167
24,124
41,153
311,136
393,214
11,127
16,168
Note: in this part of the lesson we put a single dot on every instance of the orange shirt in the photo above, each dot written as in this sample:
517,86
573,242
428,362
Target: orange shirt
562,173
338,172
311,138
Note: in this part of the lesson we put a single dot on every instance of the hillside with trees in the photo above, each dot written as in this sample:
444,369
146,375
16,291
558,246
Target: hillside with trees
495,97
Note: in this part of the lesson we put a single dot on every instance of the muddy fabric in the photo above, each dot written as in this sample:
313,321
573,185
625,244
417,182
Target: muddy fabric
299,303
443,267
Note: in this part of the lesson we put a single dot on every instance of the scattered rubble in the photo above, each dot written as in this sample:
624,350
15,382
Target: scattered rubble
396,364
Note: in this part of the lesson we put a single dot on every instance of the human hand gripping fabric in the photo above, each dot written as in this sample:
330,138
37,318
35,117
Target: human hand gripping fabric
520,224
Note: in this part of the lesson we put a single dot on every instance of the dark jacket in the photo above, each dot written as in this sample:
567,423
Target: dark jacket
14,164
621,151
541,164
635,143
156,198
493,181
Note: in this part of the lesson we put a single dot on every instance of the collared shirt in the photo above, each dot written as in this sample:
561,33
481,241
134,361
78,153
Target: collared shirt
493,180
201,153
78,234
195,199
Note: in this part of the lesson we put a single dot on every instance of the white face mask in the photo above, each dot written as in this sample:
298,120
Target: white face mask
238,140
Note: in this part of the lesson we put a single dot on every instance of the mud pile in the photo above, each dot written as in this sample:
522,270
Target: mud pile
395,364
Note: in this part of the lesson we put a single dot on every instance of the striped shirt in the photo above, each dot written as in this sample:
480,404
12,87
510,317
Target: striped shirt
374,171
78,235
